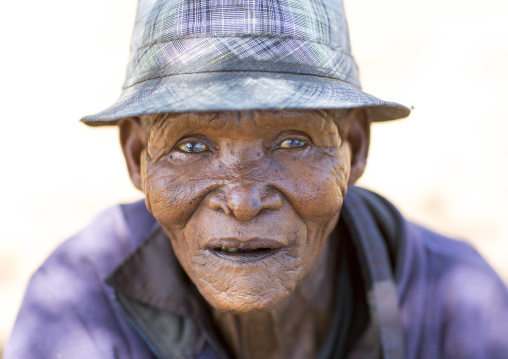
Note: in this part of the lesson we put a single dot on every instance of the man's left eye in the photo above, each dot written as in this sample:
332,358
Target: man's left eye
292,143
193,147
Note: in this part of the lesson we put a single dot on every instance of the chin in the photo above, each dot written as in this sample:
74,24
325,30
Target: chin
246,288
247,304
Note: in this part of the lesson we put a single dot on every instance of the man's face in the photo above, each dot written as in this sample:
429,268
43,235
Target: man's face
247,198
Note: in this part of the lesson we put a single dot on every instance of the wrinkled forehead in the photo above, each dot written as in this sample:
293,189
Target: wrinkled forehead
311,122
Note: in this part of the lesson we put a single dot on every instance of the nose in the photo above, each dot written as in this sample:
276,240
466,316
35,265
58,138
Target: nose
245,201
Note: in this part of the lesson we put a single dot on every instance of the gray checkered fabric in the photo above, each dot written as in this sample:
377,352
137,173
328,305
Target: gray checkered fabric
219,55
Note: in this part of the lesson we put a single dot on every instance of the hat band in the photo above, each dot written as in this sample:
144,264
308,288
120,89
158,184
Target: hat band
217,54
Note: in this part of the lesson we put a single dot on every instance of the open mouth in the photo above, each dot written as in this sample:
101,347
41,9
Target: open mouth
244,250
243,255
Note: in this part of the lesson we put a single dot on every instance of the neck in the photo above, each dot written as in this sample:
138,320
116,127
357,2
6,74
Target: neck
295,329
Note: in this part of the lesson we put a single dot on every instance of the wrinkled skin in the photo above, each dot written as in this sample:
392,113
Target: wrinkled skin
256,179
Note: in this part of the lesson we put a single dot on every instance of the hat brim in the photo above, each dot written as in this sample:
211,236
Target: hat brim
241,91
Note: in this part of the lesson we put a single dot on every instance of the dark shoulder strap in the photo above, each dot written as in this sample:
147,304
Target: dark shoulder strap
377,271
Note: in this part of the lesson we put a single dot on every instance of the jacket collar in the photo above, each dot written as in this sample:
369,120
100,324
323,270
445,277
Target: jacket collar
152,272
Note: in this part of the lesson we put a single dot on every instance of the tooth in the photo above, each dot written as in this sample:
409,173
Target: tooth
228,249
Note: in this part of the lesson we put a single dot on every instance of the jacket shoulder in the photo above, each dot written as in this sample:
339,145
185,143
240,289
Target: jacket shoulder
463,302
456,265
67,310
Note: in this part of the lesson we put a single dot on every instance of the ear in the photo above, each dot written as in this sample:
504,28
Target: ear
133,141
358,136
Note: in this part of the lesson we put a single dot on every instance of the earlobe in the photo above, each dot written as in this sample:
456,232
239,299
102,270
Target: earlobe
358,137
133,142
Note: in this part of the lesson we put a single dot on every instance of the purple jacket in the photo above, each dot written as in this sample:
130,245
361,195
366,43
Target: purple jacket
452,304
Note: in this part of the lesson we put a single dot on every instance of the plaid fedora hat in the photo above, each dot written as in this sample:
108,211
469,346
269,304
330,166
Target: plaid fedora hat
221,55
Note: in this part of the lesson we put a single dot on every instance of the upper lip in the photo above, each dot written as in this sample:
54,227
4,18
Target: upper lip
254,243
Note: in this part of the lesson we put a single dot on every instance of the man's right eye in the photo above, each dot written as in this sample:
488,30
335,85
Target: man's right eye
193,147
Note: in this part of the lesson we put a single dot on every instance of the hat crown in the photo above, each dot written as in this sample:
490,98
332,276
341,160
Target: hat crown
173,37
321,21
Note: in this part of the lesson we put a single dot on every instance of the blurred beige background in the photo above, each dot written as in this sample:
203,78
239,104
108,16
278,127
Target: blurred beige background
445,166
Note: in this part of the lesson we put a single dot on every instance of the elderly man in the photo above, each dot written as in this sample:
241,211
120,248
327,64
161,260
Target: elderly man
244,125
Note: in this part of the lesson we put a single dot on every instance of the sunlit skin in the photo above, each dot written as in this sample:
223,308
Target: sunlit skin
248,200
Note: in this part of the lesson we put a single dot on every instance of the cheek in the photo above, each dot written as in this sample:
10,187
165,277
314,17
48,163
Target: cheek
171,193
317,184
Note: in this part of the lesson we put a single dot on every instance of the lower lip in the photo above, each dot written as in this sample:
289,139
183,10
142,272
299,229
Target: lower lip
244,257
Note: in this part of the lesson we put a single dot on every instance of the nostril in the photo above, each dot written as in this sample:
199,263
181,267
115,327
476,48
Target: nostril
217,202
272,199
273,203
